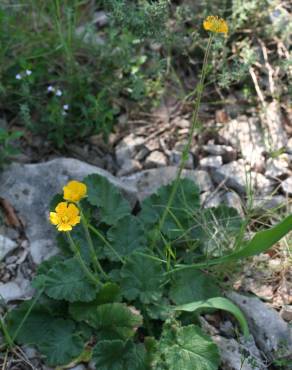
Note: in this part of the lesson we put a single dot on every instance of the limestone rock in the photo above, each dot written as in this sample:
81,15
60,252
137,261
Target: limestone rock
6,246
127,148
237,176
156,159
233,200
129,166
210,200
18,289
287,186
236,356
275,135
211,162
175,158
277,167
148,181
268,202
271,333
245,133
225,151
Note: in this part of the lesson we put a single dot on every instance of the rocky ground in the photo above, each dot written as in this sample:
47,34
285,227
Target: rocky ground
231,155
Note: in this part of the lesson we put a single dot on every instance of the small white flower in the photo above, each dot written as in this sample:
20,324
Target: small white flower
28,72
51,88
66,106
18,76
59,92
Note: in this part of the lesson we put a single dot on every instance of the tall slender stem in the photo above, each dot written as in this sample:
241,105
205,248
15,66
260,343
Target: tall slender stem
6,334
96,264
86,270
36,298
187,147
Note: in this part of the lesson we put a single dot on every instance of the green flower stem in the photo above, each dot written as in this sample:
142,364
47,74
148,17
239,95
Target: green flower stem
33,303
86,270
96,263
102,238
6,334
187,147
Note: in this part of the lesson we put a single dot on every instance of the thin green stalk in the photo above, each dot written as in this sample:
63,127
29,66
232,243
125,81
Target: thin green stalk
185,155
105,241
6,334
33,303
86,270
96,263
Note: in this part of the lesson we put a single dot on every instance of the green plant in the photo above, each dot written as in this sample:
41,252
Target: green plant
7,150
62,79
128,314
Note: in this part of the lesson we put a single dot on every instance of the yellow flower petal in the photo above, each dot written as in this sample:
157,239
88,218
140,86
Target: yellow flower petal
61,207
75,221
74,191
73,210
64,227
215,24
54,218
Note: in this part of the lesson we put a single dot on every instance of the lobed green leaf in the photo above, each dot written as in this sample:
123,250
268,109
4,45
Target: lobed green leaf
142,278
192,285
126,237
67,280
120,355
103,194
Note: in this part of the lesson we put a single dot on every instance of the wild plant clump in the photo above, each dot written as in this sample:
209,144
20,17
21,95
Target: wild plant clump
125,292
129,282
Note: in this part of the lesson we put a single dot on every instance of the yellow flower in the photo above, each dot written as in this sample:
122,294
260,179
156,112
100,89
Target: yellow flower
65,217
74,191
215,24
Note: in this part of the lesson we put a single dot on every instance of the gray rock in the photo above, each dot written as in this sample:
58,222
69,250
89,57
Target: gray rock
129,166
275,135
277,167
237,176
181,122
271,333
211,162
6,246
148,181
287,186
142,153
235,356
245,133
156,159
78,367
269,202
289,146
30,352
233,200
210,200
30,188
18,289
225,151
175,158
286,313
127,148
